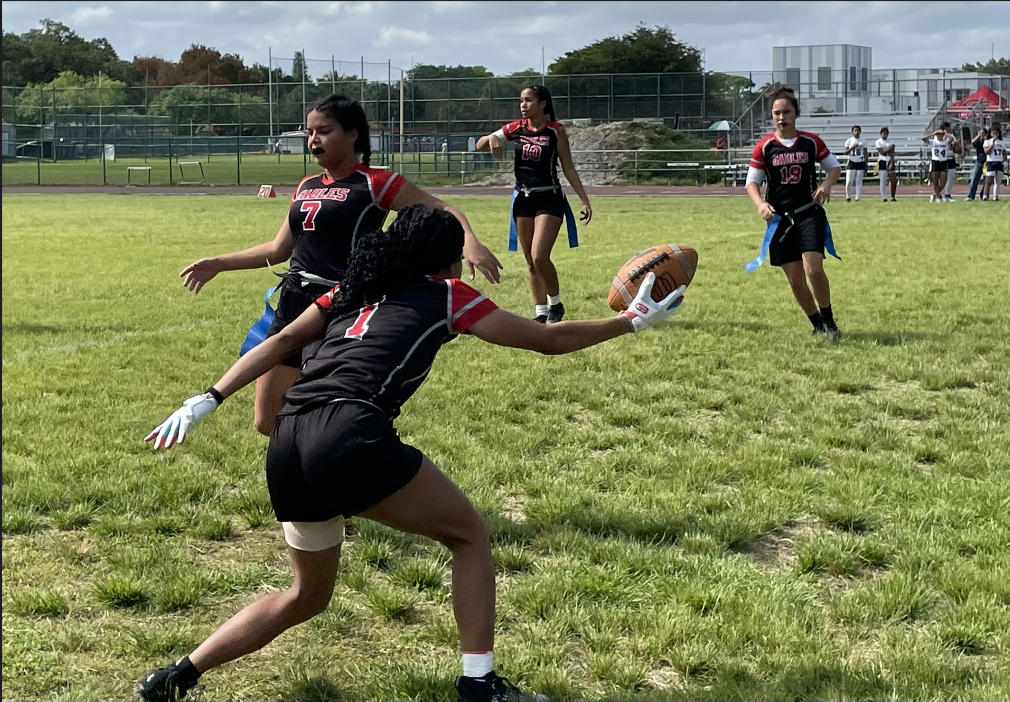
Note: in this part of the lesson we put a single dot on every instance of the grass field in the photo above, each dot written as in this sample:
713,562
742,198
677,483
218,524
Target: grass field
722,508
225,169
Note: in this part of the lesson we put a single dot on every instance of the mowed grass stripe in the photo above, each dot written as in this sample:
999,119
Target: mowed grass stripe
720,508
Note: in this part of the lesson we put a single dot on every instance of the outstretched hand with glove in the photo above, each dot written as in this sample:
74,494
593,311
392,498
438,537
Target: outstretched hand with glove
644,312
173,430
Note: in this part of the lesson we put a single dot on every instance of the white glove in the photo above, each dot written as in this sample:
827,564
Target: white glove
173,430
643,312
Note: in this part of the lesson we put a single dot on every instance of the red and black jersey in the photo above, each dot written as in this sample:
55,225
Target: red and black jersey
382,353
326,216
536,163
791,170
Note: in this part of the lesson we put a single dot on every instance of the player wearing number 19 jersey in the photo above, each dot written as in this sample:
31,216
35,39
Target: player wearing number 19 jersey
787,160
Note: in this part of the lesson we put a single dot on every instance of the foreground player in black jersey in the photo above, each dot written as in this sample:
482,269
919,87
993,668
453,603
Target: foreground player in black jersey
334,452
539,204
328,211
788,160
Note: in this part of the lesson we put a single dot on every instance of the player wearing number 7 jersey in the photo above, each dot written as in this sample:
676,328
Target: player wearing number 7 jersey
538,203
327,213
787,160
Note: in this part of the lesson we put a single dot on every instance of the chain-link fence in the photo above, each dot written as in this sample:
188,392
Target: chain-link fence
247,134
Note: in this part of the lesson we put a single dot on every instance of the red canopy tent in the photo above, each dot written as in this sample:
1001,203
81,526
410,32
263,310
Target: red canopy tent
985,94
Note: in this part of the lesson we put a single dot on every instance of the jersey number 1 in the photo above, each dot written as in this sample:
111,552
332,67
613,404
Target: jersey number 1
360,326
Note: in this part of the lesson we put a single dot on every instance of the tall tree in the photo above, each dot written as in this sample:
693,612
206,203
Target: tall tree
40,55
644,50
69,93
1000,66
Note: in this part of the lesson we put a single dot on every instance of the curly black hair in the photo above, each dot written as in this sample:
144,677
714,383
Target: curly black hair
420,241
350,115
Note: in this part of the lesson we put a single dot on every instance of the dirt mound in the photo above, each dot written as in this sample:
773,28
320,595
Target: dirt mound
600,166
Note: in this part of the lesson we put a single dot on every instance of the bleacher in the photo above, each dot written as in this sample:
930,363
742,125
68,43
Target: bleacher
906,132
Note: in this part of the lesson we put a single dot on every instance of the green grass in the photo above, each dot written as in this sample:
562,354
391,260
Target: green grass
722,508
225,169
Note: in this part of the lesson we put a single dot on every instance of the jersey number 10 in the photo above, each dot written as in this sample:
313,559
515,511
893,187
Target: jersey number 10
531,152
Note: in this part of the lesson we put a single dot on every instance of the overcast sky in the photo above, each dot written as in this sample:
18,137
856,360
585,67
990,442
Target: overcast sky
509,36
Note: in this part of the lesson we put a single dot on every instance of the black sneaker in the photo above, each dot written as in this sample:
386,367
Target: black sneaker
833,333
493,688
555,313
818,330
164,685
540,319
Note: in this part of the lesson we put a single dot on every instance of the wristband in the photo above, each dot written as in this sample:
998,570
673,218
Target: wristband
213,392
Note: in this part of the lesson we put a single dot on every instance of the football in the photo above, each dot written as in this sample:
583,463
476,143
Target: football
673,264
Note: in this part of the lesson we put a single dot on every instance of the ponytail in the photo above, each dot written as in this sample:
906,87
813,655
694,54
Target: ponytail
544,96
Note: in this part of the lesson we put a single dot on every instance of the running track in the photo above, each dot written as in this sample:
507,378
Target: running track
869,194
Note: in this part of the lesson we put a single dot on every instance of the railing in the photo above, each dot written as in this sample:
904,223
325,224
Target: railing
232,162
938,118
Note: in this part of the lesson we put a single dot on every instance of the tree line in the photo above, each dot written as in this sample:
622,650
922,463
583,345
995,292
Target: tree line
53,70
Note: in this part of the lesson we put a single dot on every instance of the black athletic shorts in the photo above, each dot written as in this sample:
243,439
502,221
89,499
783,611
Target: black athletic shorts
335,459
857,165
549,202
938,167
951,164
296,296
993,166
885,166
791,241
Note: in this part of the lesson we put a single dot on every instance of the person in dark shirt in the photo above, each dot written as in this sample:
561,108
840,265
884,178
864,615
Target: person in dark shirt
539,204
979,166
328,211
334,452
787,159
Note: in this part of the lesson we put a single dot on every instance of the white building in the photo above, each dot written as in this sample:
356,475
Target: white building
840,79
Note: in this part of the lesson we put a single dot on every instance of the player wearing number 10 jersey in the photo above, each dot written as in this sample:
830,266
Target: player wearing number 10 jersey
538,204
788,161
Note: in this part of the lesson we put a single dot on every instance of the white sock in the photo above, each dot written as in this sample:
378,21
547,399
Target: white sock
883,185
477,664
849,177
995,186
859,183
950,182
553,300
541,309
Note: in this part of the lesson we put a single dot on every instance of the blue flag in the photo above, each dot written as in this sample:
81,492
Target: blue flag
573,231
258,331
773,225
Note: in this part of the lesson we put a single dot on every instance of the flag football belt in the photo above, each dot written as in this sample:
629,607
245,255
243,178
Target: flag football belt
258,331
573,230
829,243
539,189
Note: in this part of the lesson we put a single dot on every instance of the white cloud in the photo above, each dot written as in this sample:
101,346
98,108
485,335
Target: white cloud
737,36
390,36
90,15
441,7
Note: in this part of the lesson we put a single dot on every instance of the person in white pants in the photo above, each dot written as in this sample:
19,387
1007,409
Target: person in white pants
955,151
886,167
855,149
995,155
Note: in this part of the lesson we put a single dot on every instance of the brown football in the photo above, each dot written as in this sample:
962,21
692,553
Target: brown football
673,264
